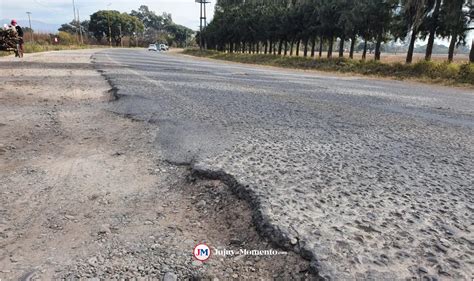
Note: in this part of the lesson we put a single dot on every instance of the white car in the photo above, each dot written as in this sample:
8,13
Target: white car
164,47
153,47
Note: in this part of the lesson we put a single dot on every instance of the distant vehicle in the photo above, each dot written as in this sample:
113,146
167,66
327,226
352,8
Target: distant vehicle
152,47
164,47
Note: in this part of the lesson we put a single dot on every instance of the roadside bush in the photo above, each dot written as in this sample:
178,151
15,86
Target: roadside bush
66,38
466,73
33,48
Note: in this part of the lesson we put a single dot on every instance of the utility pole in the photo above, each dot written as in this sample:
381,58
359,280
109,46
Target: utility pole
74,9
31,29
202,21
75,19
80,27
110,27
200,27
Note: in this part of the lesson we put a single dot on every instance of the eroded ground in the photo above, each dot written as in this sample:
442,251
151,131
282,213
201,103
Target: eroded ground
85,193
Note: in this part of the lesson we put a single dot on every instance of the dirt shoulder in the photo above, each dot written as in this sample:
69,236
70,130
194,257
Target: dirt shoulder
84,193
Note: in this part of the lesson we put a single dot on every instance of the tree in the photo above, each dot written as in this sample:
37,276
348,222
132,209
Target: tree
161,28
413,14
330,12
27,30
279,25
114,26
456,16
382,11
179,34
73,27
433,26
149,18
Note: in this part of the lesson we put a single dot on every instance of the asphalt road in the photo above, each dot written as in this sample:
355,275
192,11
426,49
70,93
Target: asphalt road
368,178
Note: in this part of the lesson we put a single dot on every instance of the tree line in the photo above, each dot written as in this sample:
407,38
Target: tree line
141,26
309,26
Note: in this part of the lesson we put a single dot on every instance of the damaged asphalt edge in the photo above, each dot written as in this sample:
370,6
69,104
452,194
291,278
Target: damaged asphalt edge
264,227
275,234
113,88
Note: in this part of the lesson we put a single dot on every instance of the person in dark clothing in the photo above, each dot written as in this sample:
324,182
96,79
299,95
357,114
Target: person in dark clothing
19,30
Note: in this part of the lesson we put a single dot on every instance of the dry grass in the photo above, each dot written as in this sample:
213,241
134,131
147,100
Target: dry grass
433,72
417,57
400,57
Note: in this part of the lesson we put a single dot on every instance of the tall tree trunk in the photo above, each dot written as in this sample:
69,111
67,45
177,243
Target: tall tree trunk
351,52
266,47
320,46
286,48
258,47
271,47
377,47
452,45
305,51
313,46
298,48
275,48
231,47
280,46
364,53
331,42
433,27
243,47
291,47
341,46
471,54
411,47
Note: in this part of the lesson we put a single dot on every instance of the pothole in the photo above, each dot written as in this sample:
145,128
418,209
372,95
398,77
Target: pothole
157,235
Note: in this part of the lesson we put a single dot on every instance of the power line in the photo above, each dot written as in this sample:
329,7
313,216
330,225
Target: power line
80,26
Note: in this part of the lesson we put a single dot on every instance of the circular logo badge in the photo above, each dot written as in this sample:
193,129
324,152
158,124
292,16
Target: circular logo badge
202,252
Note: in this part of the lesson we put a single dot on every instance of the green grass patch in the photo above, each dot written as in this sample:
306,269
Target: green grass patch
448,73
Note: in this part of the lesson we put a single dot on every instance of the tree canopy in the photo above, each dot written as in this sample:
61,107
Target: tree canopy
270,26
142,25
114,26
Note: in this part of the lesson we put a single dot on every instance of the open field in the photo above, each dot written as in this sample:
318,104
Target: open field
400,57
393,58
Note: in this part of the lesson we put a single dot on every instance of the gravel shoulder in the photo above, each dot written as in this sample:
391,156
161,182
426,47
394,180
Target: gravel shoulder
86,193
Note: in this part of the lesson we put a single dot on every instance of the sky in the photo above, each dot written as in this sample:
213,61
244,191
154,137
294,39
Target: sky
185,12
